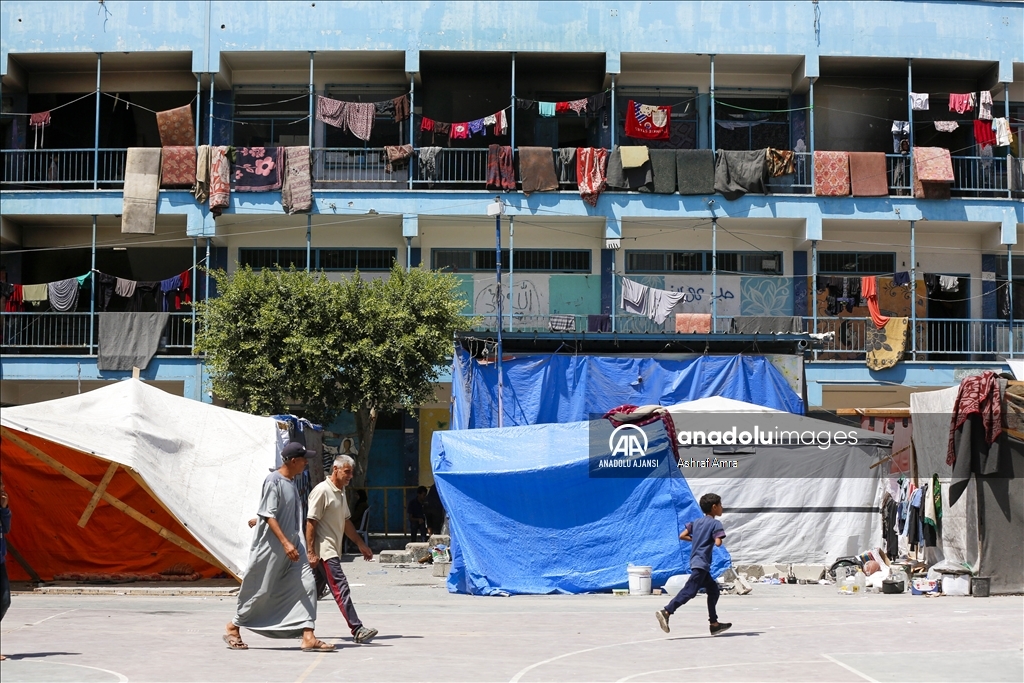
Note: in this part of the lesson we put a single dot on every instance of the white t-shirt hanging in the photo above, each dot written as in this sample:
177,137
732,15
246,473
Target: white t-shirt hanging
919,101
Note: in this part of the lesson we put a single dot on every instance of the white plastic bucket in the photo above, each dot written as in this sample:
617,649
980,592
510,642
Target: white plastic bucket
639,580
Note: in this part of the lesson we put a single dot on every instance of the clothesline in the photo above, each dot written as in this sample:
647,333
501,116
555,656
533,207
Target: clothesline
117,96
99,272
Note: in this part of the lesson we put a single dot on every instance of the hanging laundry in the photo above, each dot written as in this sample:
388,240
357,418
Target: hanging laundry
961,102
562,323
693,323
442,128
460,131
33,294
1003,137
634,156
427,124
647,121
869,289
978,395
359,118
297,186
38,122
401,105
500,175
546,109
15,299
695,171
104,290
900,134
331,111
886,347
258,169
522,103
537,170
656,304
169,288
868,174
832,174
561,107
985,106
501,123
141,190
385,108
428,163
201,188
591,172
124,288
780,162
178,167
901,279
946,126
738,172
983,134
491,120
395,156
986,156
601,322
220,179
597,102
476,127
919,101
176,127
663,167
578,106
949,283
64,294
933,173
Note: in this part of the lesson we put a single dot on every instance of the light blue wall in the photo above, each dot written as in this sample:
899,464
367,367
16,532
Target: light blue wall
989,31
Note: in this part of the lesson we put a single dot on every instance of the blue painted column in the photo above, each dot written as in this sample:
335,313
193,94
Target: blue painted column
910,124
711,93
913,290
96,136
92,291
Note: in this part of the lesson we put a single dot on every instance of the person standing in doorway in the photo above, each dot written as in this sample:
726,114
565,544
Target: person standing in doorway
277,598
327,523
417,515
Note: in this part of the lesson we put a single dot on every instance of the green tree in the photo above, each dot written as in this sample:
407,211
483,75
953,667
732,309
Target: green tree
279,339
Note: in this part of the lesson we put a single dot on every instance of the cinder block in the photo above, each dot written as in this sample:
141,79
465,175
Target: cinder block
809,572
394,557
441,569
418,550
751,571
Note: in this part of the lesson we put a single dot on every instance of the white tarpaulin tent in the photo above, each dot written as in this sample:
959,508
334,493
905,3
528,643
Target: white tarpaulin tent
789,504
161,456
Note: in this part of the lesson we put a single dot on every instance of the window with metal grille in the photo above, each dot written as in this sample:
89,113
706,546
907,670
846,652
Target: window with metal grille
271,258
356,259
528,260
268,115
856,262
749,263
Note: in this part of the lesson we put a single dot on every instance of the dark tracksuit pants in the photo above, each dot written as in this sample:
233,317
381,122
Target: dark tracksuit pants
329,572
699,578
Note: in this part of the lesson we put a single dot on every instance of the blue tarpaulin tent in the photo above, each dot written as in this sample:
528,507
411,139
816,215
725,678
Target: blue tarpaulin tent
555,388
527,514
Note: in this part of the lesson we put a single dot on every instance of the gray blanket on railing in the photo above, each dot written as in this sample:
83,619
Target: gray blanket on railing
740,172
640,178
129,340
141,190
695,171
768,324
663,165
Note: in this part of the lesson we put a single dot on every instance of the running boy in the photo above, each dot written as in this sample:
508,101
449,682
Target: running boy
706,533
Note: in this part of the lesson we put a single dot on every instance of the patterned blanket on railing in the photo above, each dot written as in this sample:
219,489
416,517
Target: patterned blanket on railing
868,174
933,173
831,174
178,167
886,346
297,186
175,127
258,169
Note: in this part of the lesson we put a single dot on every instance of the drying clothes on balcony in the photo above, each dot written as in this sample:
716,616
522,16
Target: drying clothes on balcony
599,323
933,173
949,283
442,128
258,169
647,121
104,290
178,167
331,111
523,103
693,323
38,123
476,127
885,347
396,156
459,131
385,108
546,109
978,395
176,127
634,156
562,323
15,297
919,101
401,106
359,118
780,162
500,123
597,102
740,172
427,125
201,188
124,288
869,290
141,190
566,165
220,179
591,163
832,174
767,324
900,137
1002,132
961,102
868,174
428,163
537,170
1015,173
129,340
901,279
663,167
640,178
561,107
500,175
297,186
578,106
656,304
985,105
491,120
176,290
983,134
33,294
946,126
695,171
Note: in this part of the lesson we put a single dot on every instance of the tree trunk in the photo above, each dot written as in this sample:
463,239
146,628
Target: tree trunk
366,422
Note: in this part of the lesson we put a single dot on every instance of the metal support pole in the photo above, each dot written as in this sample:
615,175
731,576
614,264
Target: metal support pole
92,291
814,289
408,254
913,290
195,276
714,274
512,99
910,124
309,240
1009,293
96,132
497,257
312,93
613,289
614,121
1006,113
209,132
199,104
412,119
810,131
711,94
206,295
511,265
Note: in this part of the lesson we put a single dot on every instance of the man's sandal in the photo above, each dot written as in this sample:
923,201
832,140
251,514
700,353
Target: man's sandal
234,642
319,646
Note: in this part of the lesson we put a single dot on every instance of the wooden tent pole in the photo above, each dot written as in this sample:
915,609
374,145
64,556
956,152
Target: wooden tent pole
97,495
131,512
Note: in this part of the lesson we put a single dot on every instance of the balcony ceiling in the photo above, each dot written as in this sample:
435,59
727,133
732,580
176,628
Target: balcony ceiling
72,62
873,67
292,61
694,63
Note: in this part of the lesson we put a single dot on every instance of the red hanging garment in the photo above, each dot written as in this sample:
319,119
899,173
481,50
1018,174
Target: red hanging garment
647,121
869,290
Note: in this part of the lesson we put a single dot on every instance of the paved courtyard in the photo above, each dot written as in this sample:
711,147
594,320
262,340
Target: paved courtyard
781,633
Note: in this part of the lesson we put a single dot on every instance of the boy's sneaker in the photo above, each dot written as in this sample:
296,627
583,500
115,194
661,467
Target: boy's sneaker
662,619
721,628
365,635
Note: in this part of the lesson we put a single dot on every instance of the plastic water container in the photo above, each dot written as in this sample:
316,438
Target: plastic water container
859,582
639,580
676,583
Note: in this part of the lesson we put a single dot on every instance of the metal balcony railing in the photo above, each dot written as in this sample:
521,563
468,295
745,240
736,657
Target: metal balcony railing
980,176
72,331
340,165
63,168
